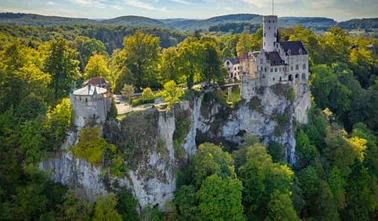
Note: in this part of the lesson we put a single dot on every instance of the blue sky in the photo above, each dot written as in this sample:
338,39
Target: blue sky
337,9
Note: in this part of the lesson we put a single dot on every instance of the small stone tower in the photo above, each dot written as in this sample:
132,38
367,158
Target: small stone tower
90,104
270,32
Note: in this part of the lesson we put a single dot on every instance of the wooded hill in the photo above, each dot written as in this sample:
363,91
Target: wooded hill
316,23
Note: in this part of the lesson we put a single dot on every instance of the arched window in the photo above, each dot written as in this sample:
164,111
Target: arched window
290,77
304,66
304,77
297,76
296,67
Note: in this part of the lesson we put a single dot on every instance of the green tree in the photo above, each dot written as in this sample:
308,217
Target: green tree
96,67
62,66
220,198
325,207
245,43
86,47
147,94
76,207
127,91
280,207
172,93
209,160
126,205
105,209
213,64
186,200
141,57
92,146
261,177
170,66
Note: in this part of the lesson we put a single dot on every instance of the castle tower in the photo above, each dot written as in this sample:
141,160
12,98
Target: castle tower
270,32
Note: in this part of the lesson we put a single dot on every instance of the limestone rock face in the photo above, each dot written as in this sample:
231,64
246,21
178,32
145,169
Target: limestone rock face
76,173
160,152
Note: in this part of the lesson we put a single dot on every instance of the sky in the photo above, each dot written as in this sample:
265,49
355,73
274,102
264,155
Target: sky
198,9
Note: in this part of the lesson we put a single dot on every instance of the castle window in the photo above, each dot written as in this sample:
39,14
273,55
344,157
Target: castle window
265,70
94,116
86,100
269,27
263,76
297,76
275,70
304,66
290,77
304,76
280,79
269,21
271,69
296,67
274,79
264,34
291,68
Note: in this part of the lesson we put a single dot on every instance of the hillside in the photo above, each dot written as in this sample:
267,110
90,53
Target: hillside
193,25
318,24
135,21
359,23
38,20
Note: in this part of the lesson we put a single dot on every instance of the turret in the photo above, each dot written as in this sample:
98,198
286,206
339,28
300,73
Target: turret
270,32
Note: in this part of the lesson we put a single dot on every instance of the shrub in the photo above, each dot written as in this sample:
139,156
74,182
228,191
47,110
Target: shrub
91,145
147,95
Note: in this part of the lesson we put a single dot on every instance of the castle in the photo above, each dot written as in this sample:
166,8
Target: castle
276,63
90,104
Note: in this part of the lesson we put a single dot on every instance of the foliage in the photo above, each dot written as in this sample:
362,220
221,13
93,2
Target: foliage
96,67
147,95
141,57
127,91
261,177
91,146
63,68
105,208
276,150
220,199
126,205
172,93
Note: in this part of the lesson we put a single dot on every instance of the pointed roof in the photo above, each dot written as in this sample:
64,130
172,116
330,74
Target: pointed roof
294,47
274,58
90,90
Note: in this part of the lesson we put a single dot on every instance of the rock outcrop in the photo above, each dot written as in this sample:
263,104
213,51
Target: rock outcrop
155,143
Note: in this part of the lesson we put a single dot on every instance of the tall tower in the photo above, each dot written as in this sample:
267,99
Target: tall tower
270,32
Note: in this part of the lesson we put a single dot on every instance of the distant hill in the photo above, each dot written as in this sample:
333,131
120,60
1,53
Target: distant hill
39,20
135,21
192,25
365,23
227,23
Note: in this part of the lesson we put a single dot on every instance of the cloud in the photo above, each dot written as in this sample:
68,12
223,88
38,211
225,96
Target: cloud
143,5
182,2
268,3
90,3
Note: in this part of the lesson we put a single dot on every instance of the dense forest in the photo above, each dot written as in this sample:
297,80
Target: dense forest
335,177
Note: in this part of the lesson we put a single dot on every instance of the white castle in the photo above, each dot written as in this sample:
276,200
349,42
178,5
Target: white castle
276,63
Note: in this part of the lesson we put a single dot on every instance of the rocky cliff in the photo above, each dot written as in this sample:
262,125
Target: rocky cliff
156,143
